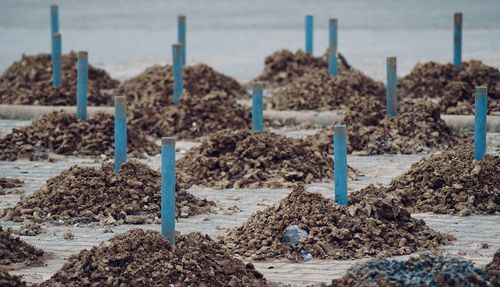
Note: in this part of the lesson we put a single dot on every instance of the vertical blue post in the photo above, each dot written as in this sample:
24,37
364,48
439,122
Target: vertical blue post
332,48
391,88
168,188
340,164
181,36
54,19
457,40
309,34
120,131
56,60
481,109
82,82
257,95
177,67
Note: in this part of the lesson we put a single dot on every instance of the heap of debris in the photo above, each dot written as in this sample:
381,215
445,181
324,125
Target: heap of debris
144,258
284,67
451,182
493,269
426,269
454,87
316,90
155,85
193,118
7,280
237,159
29,82
15,251
417,128
63,133
370,228
85,194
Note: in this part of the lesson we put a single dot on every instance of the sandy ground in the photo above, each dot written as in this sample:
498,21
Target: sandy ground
472,232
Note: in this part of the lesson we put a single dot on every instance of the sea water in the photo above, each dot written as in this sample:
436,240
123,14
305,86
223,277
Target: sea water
234,36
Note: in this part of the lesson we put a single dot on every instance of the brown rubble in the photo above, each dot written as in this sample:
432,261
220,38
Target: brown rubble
450,182
454,87
316,90
370,228
195,116
7,280
9,183
493,269
15,251
284,67
239,159
29,82
154,86
62,133
418,128
144,258
85,194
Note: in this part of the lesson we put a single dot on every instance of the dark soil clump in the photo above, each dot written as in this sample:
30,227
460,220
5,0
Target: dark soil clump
316,90
144,258
9,183
493,269
238,159
371,228
14,250
155,84
63,133
284,67
7,280
454,87
451,182
195,116
417,128
424,270
29,82
84,194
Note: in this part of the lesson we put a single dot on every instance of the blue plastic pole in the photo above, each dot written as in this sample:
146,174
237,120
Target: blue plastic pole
181,36
391,88
82,82
332,48
481,109
120,131
309,34
168,188
56,60
177,67
340,164
54,19
457,40
257,95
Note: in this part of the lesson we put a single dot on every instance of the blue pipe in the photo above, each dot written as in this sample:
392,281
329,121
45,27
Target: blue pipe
309,34
168,188
82,82
391,88
457,40
181,36
56,60
481,109
177,67
54,19
340,164
332,48
257,119
120,131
